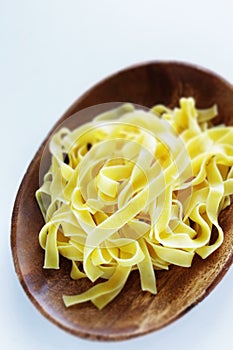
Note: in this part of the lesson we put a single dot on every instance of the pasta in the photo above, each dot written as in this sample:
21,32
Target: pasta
131,190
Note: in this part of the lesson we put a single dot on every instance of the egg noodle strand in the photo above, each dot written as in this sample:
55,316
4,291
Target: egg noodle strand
135,190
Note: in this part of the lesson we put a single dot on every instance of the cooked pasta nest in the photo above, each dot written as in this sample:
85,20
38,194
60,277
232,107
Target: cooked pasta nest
135,190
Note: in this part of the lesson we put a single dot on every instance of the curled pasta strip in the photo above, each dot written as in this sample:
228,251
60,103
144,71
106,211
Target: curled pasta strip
132,191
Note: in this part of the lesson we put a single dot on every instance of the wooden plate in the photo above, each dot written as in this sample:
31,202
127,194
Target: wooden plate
133,312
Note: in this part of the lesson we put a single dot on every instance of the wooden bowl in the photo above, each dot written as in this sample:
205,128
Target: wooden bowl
133,312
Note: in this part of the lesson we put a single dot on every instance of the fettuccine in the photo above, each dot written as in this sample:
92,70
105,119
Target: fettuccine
135,190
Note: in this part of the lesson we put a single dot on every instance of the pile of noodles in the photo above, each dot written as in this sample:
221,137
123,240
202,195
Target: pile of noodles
135,190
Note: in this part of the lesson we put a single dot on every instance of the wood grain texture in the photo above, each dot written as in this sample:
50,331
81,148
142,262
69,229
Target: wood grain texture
133,312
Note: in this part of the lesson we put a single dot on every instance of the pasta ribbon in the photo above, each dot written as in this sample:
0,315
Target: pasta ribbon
135,190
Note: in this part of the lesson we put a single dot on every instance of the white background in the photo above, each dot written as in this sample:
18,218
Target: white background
51,51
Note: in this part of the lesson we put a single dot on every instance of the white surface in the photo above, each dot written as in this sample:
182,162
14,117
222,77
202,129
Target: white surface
51,51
